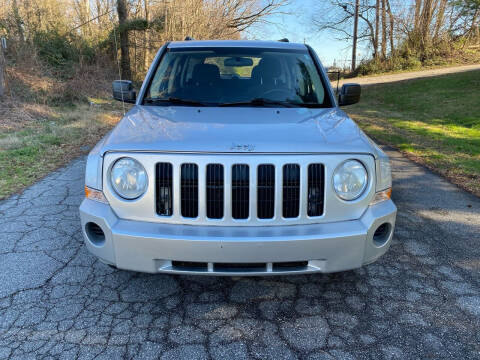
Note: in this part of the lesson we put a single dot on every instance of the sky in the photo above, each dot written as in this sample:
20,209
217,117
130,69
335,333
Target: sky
296,25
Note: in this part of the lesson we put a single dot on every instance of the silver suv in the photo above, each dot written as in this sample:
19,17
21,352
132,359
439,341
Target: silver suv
236,160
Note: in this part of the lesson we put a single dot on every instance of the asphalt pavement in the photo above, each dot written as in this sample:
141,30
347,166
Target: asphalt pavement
420,301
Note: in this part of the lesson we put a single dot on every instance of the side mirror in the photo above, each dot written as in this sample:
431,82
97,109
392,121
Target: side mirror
349,94
123,91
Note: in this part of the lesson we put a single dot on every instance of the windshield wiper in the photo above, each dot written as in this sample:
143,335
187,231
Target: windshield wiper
312,105
174,101
262,102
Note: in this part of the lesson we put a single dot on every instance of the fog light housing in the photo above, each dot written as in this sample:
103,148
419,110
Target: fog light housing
382,234
95,233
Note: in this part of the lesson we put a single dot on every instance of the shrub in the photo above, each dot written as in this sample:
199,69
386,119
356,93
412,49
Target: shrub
370,67
410,63
393,63
61,51
55,49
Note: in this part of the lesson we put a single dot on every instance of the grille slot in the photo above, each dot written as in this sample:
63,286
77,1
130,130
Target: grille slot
239,267
316,185
265,191
290,266
190,266
291,191
240,191
164,189
215,191
189,190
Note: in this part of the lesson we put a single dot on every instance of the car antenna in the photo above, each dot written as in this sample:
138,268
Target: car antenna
284,40
189,38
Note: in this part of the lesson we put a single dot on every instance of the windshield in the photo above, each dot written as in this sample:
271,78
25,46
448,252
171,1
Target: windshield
237,77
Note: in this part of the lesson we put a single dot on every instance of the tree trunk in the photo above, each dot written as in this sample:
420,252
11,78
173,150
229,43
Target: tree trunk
475,27
355,30
377,27
418,8
426,19
99,11
146,54
124,46
86,10
384,30
2,72
18,22
440,18
392,27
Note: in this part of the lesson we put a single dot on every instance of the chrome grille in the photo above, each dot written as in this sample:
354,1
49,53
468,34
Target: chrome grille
276,191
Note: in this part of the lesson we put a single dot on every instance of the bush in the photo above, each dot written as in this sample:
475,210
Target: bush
393,63
62,51
409,63
54,48
369,67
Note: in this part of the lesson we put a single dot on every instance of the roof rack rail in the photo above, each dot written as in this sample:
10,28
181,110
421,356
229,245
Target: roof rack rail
189,38
284,40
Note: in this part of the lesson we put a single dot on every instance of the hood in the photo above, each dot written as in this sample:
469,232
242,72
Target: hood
236,129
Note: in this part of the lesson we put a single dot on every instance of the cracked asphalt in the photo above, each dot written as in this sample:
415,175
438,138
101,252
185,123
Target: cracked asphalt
420,301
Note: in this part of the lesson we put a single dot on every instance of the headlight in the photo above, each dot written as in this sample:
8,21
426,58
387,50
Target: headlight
350,180
384,174
129,178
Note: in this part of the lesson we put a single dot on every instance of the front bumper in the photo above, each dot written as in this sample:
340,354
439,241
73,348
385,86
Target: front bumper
210,250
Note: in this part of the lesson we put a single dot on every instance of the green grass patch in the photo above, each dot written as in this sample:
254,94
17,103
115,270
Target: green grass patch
436,121
30,153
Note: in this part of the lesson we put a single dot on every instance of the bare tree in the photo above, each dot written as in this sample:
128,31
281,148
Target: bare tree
384,30
18,21
440,18
146,55
377,26
391,28
355,35
241,14
339,17
124,44
2,72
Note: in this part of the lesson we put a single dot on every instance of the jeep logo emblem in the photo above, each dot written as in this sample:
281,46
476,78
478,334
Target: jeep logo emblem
242,147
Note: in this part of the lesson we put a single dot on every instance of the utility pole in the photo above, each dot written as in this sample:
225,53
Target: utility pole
355,33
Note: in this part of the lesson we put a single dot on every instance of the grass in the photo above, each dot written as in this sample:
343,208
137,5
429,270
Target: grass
434,121
30,151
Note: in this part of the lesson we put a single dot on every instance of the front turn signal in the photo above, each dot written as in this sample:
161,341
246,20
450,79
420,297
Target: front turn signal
95,195
381,196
